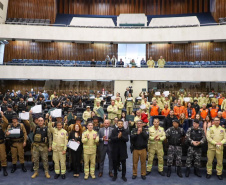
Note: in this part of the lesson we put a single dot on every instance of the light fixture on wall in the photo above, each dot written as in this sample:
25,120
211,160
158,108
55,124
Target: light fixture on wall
212,41
13,39
52,41
189,42
32,40
169,42
92,42
73,42
150,43
111,43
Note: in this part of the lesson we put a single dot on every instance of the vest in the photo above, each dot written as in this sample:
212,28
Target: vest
21,132
175,137
196,135
41,135
204,113
154,110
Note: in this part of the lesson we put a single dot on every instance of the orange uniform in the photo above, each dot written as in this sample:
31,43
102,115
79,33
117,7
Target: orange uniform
220,100
204,113
178,110
154,110
165,112
224,115
193,113
213,112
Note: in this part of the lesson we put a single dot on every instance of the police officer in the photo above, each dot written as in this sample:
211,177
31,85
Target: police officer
112,111
59,147
175,136
195,138
40,101
21,105
216,137
9,113
17,143
89,140
156,137
3,127
42,140
4,105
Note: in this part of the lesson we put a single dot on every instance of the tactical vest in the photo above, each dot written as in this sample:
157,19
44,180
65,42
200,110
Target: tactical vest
2,134
21,132
196,135
21,106
175,137
41,135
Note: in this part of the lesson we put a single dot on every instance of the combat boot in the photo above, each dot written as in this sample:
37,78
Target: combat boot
34,175
179,172
23,168
93,176
197,172
47,175
4,171
169,171
13,168
187,173
86,176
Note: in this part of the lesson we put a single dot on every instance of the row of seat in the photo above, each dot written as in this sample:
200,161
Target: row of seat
24,21
222,20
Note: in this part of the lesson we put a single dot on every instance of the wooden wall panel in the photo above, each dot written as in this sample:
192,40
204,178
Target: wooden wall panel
218,9
36,9
149,7
58,51
204,51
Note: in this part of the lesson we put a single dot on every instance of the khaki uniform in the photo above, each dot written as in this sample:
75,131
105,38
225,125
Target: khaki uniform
120,106
3,127
201,101
95,110
151,64
181,98
60,140
96,100
112,113
89,151
17,144
166,102
191,100
223,105
156,147
214,136
214,100
129,105
86,115
161,63
159,103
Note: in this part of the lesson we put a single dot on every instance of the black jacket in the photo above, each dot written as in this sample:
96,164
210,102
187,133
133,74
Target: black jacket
139,141
119,147
168,122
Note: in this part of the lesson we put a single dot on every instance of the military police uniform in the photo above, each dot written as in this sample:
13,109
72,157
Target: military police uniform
60,140
21,106
156,147
89,151
215,135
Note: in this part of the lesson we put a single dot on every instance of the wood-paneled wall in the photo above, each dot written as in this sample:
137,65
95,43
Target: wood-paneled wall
58,51
33,9
116,7
218,9
204,51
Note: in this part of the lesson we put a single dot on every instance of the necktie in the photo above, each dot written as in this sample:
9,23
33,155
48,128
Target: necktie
106,134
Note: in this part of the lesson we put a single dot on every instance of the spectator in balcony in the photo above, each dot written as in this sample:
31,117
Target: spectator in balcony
114,60
120,63
93,63
133,63
151,63
107,60
143,62
161,62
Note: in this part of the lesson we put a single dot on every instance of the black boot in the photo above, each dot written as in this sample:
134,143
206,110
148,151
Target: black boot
4,171
197,172
13,168
169,171
51,167
23,168
179,172
187,173
32,168
56,176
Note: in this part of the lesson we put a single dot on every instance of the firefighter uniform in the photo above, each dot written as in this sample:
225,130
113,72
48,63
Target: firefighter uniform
204,113
201,101
156,147
161,63
120,106
96,100
86,115
129,105
112,113
96,112
60,140
214,136
151,64
213,112
89,151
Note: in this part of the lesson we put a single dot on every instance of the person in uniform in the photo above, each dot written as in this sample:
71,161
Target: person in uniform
90,139
17,143
129,104
151,63
161,62
112,111
202,100
3,158
86,114
154,111
139,140
195,138
216,138
95,110
97,99
9,113
120,106
41,145
175,135
59,147
21,105
156,137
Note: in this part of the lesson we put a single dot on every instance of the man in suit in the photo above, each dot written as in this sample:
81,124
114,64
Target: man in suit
119,138
105,147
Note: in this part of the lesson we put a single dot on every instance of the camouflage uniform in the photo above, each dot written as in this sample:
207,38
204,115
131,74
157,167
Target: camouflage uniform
174,137
194,151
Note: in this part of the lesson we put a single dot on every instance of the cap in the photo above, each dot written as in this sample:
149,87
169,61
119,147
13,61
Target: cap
176,120
10,106
196,121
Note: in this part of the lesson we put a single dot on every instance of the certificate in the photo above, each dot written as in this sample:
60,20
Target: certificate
30,99
157,93
139,98
129,118
143,106
24,116
37,109
73,145
56,113
186,99
166,93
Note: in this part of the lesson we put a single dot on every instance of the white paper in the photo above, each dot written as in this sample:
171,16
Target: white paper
56,113
166,93
109,95
186,99
24,116
101,98
0,109
14,131
157,93
92,97
73,145
30,99
143,106
139,98
129,99
37,109
113,98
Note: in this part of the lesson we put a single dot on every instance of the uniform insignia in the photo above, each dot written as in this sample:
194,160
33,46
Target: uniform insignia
62,134
221,131
159,130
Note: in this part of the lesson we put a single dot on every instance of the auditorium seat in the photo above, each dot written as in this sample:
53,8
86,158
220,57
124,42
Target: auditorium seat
104,63
98,64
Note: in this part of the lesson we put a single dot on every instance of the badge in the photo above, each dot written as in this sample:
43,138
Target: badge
62,133
221,131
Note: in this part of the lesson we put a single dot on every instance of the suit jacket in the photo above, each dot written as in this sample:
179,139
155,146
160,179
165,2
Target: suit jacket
101,141
119,147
